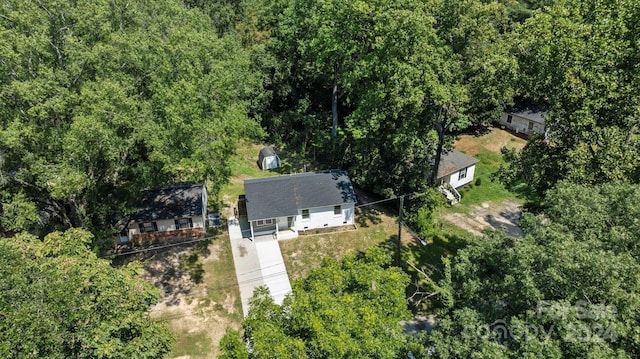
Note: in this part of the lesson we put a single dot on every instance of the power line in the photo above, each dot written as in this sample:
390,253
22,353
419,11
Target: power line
159,247
412,194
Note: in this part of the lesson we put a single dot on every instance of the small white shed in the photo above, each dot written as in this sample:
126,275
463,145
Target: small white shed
268,159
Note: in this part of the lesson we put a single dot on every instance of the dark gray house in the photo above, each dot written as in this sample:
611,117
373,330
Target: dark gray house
283,205
172,212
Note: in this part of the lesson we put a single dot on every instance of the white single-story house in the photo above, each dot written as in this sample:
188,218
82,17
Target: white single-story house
268,159
282,206
456,168
523,120
173,212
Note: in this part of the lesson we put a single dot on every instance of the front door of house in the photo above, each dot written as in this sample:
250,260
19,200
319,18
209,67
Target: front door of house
290,222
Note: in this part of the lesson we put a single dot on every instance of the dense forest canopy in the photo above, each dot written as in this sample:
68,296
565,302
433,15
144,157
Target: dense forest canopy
101,99
580,60
104,98
396,78
569,289
60,301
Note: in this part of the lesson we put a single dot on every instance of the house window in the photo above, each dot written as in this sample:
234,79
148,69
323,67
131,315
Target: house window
264,222
337,210
305,214
184,223
509,118
148,227
462,174
530,125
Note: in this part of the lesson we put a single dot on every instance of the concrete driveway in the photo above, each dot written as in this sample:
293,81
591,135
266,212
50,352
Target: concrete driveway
257,263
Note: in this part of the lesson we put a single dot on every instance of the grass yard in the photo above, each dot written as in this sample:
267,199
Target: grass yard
486,202
486,148
244,165
307,251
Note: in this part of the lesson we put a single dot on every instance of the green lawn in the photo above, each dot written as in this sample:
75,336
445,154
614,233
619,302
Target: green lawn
243,165
485,186
194,345
307,251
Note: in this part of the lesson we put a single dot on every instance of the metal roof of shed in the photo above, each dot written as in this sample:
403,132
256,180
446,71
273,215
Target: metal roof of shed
266,152
529,113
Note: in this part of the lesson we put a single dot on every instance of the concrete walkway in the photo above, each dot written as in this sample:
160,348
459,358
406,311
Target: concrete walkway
257,263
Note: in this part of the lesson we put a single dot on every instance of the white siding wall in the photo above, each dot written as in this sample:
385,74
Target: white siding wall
520,124
455,182
165,225
322,217
197,222
270,162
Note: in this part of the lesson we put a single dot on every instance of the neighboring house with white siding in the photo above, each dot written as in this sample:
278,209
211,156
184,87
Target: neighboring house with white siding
174,212
456,168
282,206
526,121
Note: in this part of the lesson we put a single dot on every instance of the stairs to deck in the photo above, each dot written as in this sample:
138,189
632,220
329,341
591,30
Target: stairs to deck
452,195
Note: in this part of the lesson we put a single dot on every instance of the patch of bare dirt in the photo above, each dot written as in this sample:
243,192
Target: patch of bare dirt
504,216
492,141
185,304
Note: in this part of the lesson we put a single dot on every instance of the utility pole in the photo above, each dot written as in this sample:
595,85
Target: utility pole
399,243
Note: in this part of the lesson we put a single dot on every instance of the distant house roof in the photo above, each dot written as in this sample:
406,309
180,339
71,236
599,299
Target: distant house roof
281,196
454,161
175,201
266,152
530,113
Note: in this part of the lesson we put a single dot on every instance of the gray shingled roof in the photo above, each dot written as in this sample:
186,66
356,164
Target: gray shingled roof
282,196
266,152
175,201
454,161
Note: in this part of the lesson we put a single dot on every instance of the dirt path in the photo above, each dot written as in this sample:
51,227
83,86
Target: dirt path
503,216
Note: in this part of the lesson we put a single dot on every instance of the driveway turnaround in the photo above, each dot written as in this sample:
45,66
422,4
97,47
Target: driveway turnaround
257,263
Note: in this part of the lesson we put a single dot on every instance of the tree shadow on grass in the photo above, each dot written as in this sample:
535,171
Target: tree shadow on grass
507,222
366,216
477,130
291,162
175,271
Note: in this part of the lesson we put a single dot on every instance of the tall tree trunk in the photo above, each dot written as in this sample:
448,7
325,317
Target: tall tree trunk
334,104
441,124
630,133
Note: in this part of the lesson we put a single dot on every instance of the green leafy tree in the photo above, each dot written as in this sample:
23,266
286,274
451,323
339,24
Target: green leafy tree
404,75
103,98
568,288
58,300
343,309
578,59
